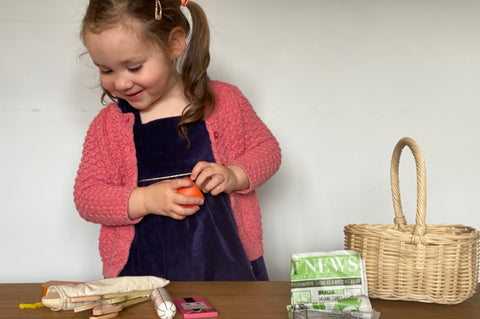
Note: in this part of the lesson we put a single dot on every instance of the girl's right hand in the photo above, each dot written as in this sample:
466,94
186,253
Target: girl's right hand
163,199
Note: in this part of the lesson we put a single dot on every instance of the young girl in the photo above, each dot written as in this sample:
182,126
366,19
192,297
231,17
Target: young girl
167,121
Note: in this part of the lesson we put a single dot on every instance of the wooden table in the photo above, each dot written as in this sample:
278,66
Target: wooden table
245,300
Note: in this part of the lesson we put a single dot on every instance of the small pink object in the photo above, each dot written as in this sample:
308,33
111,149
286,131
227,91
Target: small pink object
184,2
195,307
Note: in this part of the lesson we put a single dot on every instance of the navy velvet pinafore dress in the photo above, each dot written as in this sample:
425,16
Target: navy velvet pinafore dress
205,245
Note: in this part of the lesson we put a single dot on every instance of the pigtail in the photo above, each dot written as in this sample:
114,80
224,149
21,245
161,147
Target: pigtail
194,72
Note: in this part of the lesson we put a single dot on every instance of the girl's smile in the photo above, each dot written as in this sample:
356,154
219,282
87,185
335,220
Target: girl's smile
134,96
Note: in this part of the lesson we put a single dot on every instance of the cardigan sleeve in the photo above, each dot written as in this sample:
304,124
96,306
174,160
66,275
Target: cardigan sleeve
262,155
107,171
247,141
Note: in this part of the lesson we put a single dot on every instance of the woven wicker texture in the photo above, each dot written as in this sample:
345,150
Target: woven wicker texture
426,263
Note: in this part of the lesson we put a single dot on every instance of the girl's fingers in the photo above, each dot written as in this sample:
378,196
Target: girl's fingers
197,169
213,182
188,201
207,174
180,211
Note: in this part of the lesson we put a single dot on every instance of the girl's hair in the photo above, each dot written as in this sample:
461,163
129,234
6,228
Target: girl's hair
105,14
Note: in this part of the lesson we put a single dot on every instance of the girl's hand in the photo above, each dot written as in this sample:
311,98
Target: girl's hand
162,199
215,178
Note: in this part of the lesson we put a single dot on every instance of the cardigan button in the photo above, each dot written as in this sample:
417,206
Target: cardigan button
215,134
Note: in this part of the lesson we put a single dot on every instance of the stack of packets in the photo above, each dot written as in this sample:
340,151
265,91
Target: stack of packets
328,285
104,298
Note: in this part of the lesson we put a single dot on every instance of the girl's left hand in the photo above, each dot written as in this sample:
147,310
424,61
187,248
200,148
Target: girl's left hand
215,178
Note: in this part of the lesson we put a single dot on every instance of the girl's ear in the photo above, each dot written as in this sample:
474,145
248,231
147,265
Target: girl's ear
176,42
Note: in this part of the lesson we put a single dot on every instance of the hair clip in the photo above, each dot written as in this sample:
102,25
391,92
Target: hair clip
158,10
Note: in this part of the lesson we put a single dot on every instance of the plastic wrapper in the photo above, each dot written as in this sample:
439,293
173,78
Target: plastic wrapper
164,305
329,285
354,307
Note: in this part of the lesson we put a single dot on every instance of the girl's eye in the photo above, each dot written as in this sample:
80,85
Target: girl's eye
135,68
104,71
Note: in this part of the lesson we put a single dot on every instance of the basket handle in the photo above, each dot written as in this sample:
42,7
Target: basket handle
399,220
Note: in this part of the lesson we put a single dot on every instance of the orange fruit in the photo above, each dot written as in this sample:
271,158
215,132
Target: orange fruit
192,191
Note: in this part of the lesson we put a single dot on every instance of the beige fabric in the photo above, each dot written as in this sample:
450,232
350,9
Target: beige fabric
57,296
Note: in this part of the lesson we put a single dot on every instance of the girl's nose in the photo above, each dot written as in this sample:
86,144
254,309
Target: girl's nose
122,83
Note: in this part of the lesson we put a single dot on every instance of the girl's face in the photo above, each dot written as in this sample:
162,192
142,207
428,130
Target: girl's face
131,69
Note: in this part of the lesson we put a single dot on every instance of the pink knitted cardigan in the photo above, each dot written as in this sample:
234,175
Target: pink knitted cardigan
108,172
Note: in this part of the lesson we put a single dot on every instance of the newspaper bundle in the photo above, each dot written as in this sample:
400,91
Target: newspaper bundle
329,285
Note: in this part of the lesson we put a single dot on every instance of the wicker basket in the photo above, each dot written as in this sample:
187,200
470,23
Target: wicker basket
426,263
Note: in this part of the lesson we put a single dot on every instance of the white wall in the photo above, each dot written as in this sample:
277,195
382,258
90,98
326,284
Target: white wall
339,82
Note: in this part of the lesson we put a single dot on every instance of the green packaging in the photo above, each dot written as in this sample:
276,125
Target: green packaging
327,276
